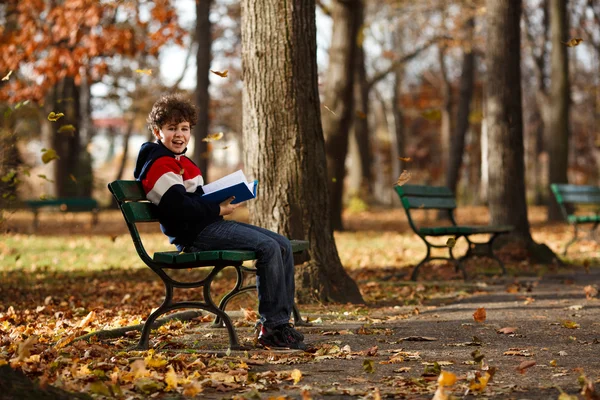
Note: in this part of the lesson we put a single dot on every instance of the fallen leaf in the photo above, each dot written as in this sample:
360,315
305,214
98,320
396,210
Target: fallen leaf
570,324
87,320
518,352
369,366
403,178
450,243
221,74
479,315
417,339
480,384
25,347
171,379
296,375
524,365
507,330
590,292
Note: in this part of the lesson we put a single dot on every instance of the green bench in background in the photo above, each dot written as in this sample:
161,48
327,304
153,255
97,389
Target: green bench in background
136,209
441,198
70,204
580,205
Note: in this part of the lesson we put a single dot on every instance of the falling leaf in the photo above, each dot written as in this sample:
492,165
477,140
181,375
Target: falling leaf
221,74
507,330
524,365
66,129
369,366
87,320
144,71
590,292
446,379
480,384
553,363
405,159
360,114
479,315
573,42
450,242
181,171
213,136
249,314
432,114
477,356
403,178
7,76
53,117
192,389
49,155
296,375
329,109
25,347
72,177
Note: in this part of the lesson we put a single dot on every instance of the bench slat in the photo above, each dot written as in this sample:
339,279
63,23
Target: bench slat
428,191
140,212
72,204
428,202
581,198
127,190
583,219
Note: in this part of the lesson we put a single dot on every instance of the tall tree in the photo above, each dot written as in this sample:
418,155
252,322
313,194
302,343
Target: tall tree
503,114
338,98
558,130
284,143
467,83
203,58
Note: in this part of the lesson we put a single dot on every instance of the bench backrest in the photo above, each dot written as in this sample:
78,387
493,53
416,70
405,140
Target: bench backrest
131,198
569,196
66,203
427,197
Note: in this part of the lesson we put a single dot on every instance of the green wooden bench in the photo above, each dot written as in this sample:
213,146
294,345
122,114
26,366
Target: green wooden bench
68,204
136,209
441,198
580,205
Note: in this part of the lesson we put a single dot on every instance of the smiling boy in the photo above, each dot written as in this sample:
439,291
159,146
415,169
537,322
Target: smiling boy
174,183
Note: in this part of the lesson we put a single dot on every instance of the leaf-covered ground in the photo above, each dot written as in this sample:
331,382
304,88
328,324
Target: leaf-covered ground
538,333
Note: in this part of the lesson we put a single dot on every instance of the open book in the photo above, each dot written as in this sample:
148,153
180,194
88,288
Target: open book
234,184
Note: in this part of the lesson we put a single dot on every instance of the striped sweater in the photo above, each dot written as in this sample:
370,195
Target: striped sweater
174,183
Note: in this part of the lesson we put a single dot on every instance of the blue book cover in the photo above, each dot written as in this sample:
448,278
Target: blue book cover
240,191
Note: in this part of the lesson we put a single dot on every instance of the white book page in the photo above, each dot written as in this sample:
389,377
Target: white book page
226,181
250,186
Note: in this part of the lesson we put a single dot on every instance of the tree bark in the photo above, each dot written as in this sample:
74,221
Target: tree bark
446,110
361,122
506,194
558,130
203,59
467,84
339,99
284,144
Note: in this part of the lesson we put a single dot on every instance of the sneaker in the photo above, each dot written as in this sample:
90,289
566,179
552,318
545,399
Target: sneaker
282,336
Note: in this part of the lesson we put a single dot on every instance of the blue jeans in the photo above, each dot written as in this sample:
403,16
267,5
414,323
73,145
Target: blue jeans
275,264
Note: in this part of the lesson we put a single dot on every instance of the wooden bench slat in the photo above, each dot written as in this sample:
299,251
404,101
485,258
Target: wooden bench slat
410,202
140,212
419,190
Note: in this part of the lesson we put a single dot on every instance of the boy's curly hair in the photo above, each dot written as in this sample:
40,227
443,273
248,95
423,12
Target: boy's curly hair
172,108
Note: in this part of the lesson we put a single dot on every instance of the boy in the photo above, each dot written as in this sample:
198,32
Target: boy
174,183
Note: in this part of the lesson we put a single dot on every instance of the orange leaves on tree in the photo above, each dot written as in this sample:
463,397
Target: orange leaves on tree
479,315
222,74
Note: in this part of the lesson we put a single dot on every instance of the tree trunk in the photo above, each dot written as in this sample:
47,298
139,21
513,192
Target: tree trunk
284,144
203,59
339,99
361,122
467,83
446,111
126,138
506,194
558,130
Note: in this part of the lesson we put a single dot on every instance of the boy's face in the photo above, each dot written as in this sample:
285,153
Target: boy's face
174,136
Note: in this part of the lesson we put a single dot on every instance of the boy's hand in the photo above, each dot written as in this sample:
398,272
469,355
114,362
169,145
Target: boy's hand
228,208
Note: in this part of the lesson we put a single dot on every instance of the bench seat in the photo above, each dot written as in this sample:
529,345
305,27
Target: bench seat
582,219
172,259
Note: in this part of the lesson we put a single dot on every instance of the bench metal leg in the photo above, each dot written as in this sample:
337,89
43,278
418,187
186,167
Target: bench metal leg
573,239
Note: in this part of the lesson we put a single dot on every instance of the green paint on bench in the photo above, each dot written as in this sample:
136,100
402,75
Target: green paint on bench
137,209
416,197
66,204
580,206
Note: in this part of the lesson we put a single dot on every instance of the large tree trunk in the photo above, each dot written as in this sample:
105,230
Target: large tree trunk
506,192
467,83
361,122
558,130
203,59
70,173
446,111
338,97
284,145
